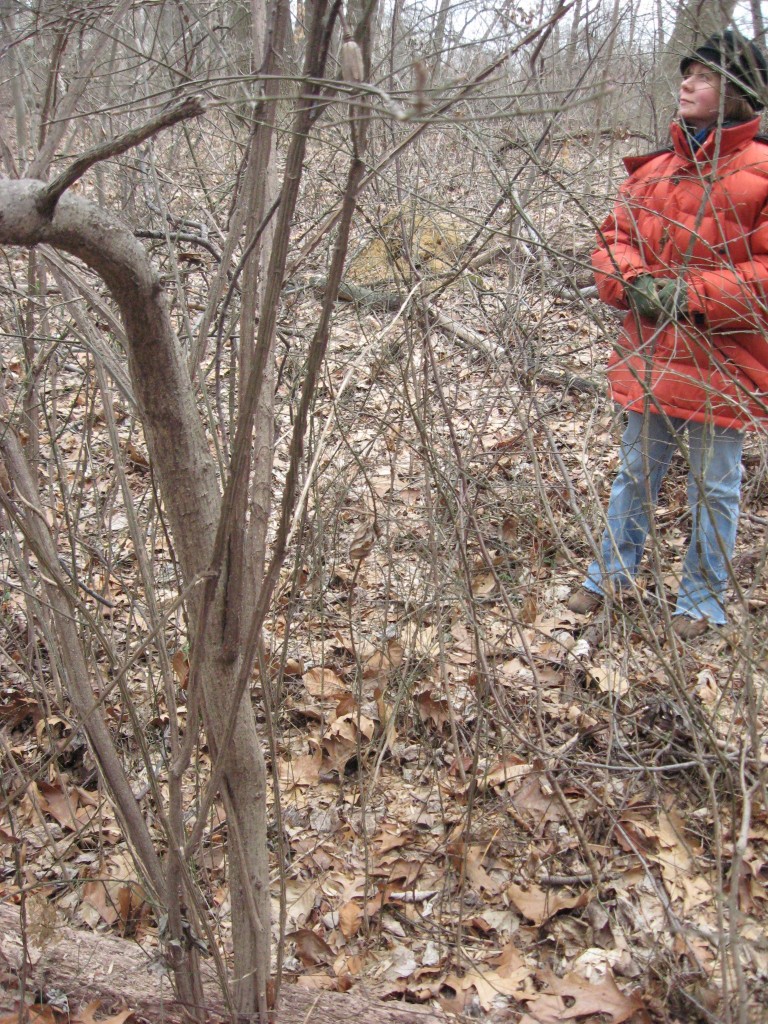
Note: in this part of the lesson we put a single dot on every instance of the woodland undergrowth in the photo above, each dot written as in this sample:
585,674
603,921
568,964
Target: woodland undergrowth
485,801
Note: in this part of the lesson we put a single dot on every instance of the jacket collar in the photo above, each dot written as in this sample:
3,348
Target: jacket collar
718,144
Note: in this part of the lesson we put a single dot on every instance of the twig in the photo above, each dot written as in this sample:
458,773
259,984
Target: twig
557,880
734,909
589,857
489,348
181,236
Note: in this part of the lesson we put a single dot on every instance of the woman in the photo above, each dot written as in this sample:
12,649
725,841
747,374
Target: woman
685,252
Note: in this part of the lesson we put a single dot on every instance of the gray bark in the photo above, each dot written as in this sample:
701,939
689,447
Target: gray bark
758,21
187,479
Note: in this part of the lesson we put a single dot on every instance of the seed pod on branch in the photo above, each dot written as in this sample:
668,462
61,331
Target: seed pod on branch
351,61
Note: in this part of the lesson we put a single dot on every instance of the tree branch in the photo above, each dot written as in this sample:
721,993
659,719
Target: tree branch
189,106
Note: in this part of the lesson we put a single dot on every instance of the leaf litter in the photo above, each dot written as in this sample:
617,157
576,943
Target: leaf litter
488,805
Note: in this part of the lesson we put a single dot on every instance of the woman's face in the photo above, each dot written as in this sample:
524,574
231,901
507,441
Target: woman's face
699,96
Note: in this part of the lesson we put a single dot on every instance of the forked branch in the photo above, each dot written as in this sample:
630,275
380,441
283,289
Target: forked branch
189,106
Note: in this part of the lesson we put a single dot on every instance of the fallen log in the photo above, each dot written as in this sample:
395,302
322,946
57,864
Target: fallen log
87,966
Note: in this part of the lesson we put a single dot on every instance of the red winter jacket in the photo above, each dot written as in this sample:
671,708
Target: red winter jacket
703,218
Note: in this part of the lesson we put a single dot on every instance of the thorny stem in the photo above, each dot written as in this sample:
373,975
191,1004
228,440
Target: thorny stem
589,858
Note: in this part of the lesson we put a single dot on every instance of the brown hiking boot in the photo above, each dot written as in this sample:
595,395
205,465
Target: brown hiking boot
688,628
584,602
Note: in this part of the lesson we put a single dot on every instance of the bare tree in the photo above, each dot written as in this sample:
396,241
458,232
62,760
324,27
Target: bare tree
222,561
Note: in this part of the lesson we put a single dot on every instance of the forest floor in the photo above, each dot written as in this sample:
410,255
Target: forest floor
487,803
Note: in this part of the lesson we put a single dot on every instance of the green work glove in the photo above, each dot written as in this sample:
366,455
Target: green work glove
643,297
673,297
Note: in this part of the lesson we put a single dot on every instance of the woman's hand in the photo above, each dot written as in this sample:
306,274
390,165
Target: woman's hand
642,296
673,297
658,298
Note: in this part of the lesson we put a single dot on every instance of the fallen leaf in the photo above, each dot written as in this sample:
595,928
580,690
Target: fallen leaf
476,873
363,540
506,773
303,770
350,919
674,856
64,805
381,663
403,963
323,683
115,895
484,584
510,978
533,803
38,1013
538,904
433,709
609,678
310,948
180,664
87,1015
300,899
567,999
322,982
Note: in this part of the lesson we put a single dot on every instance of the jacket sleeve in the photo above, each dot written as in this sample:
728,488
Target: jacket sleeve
618,259
734,297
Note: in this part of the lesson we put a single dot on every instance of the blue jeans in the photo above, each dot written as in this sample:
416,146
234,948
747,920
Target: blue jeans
714,487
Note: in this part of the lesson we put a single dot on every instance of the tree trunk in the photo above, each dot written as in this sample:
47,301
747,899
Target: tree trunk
188,483
250,898
758,21
439,38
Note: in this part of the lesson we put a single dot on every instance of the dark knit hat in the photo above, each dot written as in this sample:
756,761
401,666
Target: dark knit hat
743,62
